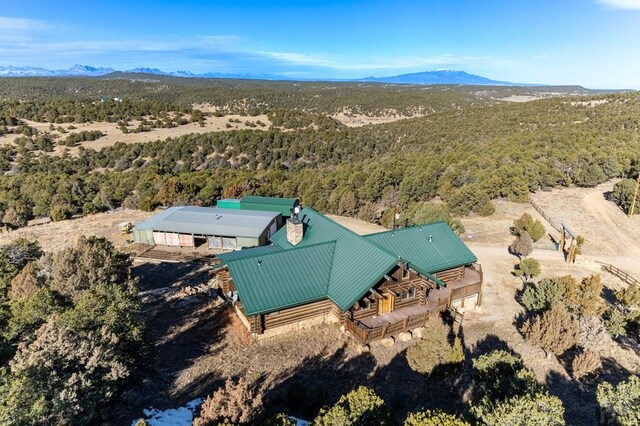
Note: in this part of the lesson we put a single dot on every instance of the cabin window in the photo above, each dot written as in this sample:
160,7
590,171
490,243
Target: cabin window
404,294
412,292
405,274
365,304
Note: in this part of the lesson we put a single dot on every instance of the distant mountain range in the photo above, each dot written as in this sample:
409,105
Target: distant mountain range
426,78
439,77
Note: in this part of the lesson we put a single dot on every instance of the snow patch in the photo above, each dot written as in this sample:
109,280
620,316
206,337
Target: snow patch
300,422
181,416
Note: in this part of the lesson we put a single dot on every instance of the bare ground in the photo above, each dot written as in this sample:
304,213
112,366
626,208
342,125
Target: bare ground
113,134
55,236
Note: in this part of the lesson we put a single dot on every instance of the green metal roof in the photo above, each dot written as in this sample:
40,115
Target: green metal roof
228,203
445,250
249,252
357,264
279,280
333,262
270,204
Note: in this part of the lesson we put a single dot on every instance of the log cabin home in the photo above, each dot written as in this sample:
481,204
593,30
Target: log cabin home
375,286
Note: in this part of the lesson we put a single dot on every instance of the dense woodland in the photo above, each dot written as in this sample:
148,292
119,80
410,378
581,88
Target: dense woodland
465,155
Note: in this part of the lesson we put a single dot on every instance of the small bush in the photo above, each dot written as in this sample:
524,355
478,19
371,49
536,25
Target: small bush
620,403
554,330
434,418
522,246
545,295
359,407
236,402
585,363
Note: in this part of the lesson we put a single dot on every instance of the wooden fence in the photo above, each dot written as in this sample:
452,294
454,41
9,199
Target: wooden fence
620,274
544,215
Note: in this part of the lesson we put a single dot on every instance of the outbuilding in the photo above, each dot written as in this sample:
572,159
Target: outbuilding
220,229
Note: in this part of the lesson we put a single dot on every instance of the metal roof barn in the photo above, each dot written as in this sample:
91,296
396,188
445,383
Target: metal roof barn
270,204
224,228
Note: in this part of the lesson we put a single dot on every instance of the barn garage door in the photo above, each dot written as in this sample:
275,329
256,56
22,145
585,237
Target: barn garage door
215,243
172,239
229,243
158,238
186,240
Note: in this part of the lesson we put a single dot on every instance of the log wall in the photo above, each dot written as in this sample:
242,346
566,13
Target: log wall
451,274
298,313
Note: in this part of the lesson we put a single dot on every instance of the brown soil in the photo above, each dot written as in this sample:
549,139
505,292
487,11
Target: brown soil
55,236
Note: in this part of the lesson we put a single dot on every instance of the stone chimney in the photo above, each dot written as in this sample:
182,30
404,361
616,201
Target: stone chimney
295,231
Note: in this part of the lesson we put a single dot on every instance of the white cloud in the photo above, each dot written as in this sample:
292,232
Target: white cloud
384,63
22,24
621,4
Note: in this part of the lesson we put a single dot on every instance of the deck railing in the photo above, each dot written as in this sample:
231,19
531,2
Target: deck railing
367,334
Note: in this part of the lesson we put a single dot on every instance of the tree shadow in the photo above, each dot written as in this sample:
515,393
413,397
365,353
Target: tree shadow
317,382
579,397
178,332
578,400
609,296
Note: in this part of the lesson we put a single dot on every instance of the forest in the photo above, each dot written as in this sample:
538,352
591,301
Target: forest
464,154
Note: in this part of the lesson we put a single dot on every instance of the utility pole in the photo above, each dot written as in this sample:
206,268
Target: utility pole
635,197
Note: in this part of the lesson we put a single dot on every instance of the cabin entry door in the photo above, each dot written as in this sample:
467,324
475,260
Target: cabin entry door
387,304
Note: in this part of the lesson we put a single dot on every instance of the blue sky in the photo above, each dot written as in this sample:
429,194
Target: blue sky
595,43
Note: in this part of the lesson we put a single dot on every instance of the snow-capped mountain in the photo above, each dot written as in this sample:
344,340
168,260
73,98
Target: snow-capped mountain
426,78
76,70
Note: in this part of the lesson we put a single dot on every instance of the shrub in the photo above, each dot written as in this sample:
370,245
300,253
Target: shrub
616,323
554,330
585,363
630,296
427,212
527,269
526,224
584,297
546,294
620,403
359,407
622,195
434,418
524,410
434,350
93,260
368,212
593,334
500,374
522,246
236,402
26,282
61,377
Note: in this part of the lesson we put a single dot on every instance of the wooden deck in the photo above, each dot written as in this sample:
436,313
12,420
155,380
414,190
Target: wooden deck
471,276
398,316
378,327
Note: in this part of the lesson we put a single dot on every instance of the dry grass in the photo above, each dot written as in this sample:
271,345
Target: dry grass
55,236
113,134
